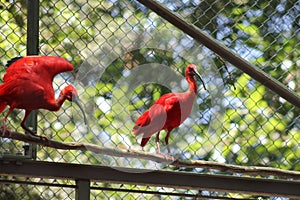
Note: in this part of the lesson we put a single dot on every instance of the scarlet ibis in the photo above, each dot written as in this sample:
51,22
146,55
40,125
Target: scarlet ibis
27,85
169,111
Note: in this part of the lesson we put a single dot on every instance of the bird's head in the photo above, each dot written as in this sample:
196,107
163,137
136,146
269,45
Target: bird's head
191,71
71,94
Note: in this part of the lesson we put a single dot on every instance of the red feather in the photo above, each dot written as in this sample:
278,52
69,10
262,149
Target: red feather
27,85
169,111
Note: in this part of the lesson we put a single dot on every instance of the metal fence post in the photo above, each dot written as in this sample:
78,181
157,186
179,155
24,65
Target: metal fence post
82,190
32,48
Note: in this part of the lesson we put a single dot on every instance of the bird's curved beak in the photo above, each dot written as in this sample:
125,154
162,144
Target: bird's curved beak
75,99
198,75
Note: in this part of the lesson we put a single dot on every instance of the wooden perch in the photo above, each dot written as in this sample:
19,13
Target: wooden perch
250,170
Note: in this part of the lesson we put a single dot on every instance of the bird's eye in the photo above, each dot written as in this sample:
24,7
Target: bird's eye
68,96
192,72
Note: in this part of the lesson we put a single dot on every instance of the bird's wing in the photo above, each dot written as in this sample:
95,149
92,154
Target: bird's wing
13,73
168,101
173,111
38,68
12,90
54,65
27,98
171,104
151,121
155,118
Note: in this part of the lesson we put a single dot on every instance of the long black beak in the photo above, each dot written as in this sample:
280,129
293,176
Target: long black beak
198,75
75,99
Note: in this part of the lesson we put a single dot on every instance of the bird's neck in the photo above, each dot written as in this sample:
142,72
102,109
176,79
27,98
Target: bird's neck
55,105
192,84
61,99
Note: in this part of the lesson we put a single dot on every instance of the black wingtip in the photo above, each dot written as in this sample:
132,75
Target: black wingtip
11,61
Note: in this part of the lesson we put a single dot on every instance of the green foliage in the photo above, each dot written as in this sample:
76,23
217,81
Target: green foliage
255,127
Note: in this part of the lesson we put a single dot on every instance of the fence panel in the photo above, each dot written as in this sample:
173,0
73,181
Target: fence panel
126,56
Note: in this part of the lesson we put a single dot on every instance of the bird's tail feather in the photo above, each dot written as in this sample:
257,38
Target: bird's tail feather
144,141
2,106
142,121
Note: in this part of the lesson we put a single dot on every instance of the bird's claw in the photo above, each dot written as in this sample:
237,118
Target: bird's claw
167,156
43,138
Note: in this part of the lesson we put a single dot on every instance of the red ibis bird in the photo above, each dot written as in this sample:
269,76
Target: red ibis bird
27,85
168,112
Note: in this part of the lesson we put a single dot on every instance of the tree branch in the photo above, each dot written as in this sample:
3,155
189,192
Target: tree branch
250,170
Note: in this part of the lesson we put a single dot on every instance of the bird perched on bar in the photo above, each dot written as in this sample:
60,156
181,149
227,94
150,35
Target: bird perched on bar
169,111
27,85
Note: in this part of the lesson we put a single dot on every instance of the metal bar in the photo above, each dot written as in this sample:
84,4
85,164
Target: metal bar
82,191
224,52
183,180
114,189
175,194
37,183
32,48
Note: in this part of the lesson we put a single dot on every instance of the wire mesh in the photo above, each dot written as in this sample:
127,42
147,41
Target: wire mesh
37,188
107,41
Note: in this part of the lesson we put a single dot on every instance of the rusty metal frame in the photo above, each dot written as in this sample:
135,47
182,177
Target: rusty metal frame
84,174
32,48
182,180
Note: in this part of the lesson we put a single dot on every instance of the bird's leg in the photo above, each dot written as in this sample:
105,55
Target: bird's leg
167,140
27,112
158,148
157,143
4,130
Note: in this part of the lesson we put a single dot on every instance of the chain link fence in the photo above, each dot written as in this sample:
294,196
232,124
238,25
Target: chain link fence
236,120
37,188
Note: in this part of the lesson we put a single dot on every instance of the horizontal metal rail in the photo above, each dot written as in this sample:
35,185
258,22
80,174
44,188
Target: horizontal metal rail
183,180
113,189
